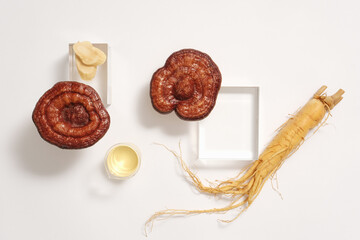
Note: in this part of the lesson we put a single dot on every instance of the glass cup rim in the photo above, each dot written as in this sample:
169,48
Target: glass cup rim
132,147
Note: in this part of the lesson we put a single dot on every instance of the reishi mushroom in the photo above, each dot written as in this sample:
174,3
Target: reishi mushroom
71,115
188,84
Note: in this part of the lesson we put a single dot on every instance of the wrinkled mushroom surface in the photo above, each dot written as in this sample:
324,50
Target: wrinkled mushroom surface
71,115
188,83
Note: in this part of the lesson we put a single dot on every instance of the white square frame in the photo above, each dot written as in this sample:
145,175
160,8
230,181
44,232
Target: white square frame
229,136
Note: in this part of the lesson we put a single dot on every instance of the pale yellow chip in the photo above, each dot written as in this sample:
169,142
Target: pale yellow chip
86,72
89,54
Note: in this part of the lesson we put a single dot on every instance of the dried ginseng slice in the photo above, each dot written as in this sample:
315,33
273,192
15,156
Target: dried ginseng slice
88,54
86,72
188,83
71,115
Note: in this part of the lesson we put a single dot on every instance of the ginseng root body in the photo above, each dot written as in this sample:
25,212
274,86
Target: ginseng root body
244,188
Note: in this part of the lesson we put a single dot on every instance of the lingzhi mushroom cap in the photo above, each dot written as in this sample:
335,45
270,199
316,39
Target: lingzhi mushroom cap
71,115
188,83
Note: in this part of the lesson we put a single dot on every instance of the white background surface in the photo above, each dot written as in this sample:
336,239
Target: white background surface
288,48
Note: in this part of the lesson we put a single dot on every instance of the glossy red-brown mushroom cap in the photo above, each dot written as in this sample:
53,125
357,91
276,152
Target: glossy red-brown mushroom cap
71,115
188,83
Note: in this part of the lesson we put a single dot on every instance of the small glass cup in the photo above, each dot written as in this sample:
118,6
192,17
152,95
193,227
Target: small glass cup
122,161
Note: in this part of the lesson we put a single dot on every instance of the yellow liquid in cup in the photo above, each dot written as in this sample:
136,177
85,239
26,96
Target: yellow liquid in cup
122,161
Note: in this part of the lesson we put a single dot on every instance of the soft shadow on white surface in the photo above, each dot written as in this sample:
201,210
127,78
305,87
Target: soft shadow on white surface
150,118
98,183
40,157
61,69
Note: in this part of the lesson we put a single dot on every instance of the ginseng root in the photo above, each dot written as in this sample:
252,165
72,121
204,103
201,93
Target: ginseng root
244,188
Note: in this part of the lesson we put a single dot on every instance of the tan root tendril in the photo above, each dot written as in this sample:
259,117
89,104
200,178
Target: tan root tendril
246,186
